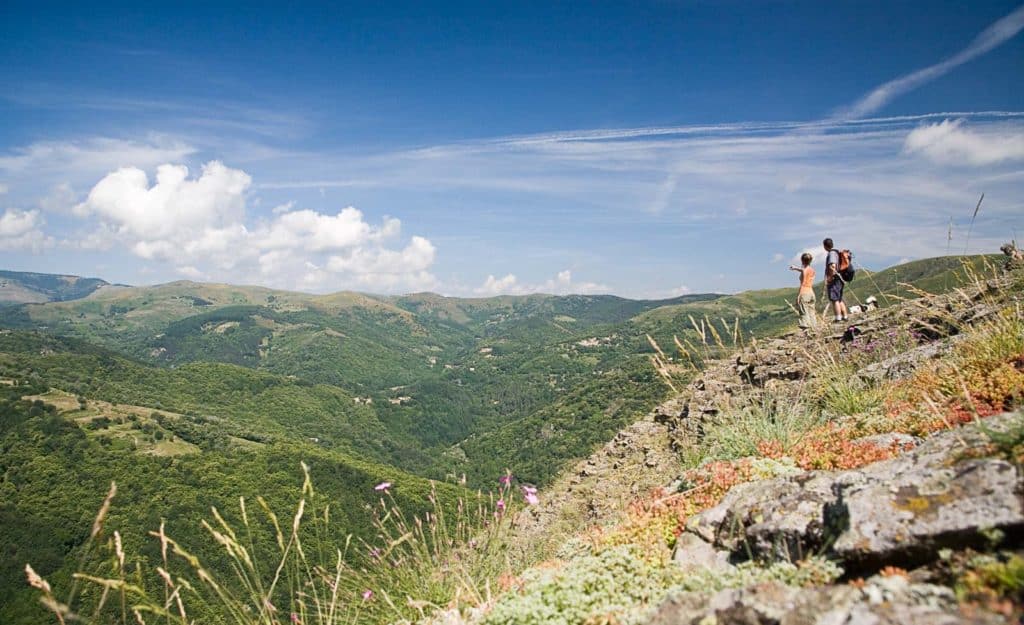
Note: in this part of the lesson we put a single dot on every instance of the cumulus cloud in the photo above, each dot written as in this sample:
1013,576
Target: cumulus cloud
817,253
507,285
949,142
199,225
561,284
175,207
22,231
325,232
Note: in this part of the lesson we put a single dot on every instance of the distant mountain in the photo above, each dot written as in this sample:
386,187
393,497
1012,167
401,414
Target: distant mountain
23,287
435,385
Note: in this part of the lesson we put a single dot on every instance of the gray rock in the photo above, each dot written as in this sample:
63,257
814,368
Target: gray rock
693,553
783,518
904,508
916,513
904,364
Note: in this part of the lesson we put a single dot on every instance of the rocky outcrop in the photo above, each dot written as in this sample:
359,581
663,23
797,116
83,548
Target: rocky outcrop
933,321
879,601
899,511
904,364
597,490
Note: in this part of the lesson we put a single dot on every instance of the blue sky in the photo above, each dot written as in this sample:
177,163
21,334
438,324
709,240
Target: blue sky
646,149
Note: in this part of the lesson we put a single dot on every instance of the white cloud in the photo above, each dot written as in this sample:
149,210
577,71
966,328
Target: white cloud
679,190
679,291
507,285
61,199
22,231
996,34
595,192
200,227
561,284
191,272
93,156
16,223
948,142
777,257
173,208
325,232
417,256
817,253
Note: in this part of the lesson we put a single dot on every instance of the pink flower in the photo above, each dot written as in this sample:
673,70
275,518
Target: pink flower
505,480
383,486
367,594
295,619
530,495
500,506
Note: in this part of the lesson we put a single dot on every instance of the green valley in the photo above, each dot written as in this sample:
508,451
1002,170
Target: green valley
192,395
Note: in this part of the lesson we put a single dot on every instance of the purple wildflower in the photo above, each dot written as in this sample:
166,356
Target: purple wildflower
530,495
383,486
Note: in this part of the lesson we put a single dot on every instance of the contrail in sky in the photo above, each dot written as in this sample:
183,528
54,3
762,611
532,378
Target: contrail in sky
993,36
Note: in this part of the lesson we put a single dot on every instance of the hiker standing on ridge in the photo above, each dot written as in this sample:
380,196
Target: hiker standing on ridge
805,297
834,283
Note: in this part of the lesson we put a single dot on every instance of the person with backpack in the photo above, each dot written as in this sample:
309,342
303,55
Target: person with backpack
805,297
836,264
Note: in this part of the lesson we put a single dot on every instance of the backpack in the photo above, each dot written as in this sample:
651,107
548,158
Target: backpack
845,268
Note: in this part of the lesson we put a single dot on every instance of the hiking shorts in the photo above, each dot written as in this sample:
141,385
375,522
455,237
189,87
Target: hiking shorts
835,290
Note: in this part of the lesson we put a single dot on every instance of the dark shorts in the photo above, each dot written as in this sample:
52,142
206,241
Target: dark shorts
835,290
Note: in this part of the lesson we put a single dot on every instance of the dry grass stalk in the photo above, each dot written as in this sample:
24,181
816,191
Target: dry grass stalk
655,345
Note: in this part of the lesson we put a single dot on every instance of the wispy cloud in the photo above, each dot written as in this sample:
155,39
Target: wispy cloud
951,142
91,156
645,209
200,114
990,38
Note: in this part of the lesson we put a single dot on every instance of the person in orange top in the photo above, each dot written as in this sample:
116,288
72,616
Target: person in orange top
805,297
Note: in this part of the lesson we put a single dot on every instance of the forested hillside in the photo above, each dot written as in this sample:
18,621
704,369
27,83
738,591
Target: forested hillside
191,395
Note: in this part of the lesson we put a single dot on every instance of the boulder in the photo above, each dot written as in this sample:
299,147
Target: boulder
900,510
694,553
782,518
912,515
